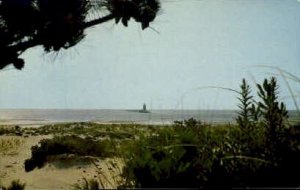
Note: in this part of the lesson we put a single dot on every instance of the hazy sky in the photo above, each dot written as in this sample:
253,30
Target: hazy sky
200,43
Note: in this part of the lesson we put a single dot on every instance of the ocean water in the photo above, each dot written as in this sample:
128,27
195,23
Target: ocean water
44,116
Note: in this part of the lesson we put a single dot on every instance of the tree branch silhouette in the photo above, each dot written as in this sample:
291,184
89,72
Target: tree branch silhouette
57,24
21,47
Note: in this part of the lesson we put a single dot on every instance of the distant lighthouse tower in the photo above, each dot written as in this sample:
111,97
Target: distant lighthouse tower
144,110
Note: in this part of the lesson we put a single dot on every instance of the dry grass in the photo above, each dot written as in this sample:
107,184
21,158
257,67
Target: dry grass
10,145
109,175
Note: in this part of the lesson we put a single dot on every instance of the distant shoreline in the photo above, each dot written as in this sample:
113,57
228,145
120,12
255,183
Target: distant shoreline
39,117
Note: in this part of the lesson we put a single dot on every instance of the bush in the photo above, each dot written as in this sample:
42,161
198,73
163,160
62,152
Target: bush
261,151
160,167
273,112
5,130
273,115
209,157
66,145
87,185
15,185
246,114
179,156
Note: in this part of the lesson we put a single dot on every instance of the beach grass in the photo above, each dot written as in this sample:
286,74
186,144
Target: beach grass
186,154
10,145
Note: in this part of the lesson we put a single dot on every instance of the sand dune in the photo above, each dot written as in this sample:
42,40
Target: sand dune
61,173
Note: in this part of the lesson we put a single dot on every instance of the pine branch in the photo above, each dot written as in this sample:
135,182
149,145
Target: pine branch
21,47
99,21
60,23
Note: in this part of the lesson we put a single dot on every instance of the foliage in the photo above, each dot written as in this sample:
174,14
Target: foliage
273,112
151,163
246,106
66,145
9,130
3,131
259,152
248,120
210,157
178,156
60,24
15,185
87,185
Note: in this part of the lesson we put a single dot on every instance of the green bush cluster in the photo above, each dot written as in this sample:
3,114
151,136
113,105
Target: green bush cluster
66,145
15,185
3,131
179,156
17,130
262,150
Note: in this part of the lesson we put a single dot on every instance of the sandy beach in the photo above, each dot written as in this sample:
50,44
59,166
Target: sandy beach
62,172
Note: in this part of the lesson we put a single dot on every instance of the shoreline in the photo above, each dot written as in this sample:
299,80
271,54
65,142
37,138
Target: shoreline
38,124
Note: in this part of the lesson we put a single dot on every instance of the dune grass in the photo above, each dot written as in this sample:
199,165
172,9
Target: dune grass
10,145
187,154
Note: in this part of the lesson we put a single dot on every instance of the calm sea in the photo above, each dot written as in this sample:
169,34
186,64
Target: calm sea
43,116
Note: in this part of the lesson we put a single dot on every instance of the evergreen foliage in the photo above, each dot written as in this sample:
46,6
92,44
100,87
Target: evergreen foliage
246,106
57,24
273,112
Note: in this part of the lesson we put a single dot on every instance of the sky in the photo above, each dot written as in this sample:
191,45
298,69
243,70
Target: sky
194,45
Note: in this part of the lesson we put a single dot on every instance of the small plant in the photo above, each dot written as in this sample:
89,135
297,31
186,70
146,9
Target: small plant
248,120
273,112
15,185
246,106
188,123
3,131
87,185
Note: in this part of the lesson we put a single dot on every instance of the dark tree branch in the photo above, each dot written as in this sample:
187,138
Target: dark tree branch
61,25
99,21
35,42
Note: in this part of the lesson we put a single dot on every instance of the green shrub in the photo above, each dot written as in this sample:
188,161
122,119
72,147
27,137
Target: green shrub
16,185
4,131
160,167
246,106
273,112
179,156
66,145
207,157
261,151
